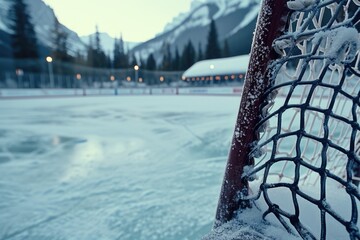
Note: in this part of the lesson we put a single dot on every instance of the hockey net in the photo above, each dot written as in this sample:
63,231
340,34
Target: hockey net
295,149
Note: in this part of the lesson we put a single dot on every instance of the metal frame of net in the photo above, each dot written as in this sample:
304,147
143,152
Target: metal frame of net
298,126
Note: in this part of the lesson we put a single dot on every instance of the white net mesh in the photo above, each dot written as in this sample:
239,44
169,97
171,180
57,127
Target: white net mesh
306,159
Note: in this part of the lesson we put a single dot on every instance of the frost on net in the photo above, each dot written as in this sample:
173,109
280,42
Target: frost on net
306,160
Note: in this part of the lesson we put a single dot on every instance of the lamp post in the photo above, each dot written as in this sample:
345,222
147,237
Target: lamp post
51,74
212,67
136,68
162,79
78,77
19,73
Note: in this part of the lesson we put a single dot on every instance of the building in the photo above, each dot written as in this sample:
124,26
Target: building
218,71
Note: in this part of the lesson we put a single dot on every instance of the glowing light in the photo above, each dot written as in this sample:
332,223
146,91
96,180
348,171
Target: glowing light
212,66
128,79
49,59
162,79
233,77
78,76
140,80
112,78
183,78
19,72
136,67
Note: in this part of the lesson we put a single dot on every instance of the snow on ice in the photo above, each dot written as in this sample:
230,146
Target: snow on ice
144,167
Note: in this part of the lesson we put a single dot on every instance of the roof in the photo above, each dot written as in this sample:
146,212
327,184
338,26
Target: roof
220,66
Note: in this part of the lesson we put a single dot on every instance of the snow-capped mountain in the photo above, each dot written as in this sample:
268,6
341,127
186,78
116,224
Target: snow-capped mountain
43,18
235,21
107,42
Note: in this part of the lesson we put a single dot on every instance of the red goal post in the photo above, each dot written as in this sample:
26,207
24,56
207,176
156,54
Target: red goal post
299,111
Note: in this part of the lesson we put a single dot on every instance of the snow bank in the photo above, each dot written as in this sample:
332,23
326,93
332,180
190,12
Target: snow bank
249,225
221,66
341,44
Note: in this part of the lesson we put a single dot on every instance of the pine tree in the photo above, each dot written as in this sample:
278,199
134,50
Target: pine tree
97,46
116,54
142,63
133,61
151,63
123,57
24,42
176,61
90,54
100,58
120,56
212,47
188,56
200,55
226,49
167,57
79,58
60,43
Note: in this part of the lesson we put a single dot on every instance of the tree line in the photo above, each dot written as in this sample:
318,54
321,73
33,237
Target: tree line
25,46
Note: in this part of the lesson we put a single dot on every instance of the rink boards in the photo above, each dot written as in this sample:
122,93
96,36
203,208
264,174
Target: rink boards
31,93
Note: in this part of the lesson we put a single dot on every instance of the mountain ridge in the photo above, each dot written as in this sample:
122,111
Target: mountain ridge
235,20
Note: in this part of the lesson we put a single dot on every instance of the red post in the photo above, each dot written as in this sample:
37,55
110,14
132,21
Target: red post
270,25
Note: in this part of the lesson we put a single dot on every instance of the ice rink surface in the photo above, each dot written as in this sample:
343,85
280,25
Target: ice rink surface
136,167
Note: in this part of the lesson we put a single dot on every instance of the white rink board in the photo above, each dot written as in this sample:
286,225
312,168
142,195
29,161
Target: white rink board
19,93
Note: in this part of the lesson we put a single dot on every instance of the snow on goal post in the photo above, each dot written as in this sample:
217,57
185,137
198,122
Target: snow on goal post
295,149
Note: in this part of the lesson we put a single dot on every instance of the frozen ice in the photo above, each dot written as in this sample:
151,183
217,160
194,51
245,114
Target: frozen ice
145,167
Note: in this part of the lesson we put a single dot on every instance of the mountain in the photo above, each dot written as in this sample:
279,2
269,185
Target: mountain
235,21
43,17
107,42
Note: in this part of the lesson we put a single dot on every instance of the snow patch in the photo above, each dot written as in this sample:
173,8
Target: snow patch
221,66
340,44
250,16
249,225
299,5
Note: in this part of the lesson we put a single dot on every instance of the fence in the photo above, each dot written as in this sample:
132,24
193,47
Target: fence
45,93
37,73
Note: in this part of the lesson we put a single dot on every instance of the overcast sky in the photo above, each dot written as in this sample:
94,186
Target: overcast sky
137,20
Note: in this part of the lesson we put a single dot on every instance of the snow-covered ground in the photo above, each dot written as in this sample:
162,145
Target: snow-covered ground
144,167
130,167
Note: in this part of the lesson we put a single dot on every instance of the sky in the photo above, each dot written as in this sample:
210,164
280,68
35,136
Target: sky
136,20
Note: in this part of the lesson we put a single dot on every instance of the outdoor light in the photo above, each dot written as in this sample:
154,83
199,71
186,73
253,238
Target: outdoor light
128,79
19,72
136,68
49,59
78,76
212,66
162,79
140,80
51,73
112,78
